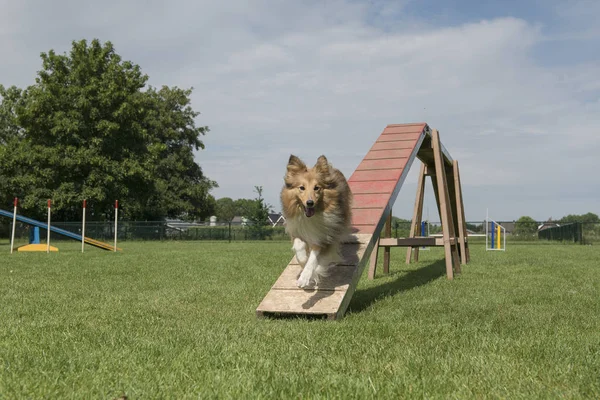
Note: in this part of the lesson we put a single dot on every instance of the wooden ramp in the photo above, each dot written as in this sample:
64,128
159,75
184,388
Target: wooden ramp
375,185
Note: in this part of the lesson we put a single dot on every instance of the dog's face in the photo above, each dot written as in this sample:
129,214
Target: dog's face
304,188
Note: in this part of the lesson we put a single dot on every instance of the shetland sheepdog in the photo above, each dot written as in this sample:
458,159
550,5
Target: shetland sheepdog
317,206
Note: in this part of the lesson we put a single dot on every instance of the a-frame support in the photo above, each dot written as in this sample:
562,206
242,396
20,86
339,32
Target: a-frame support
375,185
445,178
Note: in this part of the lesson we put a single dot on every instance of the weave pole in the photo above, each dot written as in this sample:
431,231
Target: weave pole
48,231
83,227
12,236
116,213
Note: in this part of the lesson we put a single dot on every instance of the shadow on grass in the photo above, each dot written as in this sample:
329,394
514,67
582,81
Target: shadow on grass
363,299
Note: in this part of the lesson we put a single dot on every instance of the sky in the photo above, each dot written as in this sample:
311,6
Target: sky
512,86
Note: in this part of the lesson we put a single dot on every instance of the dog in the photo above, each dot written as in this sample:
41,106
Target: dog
317,206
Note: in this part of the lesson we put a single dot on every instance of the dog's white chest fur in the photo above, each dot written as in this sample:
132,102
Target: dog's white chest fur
315,230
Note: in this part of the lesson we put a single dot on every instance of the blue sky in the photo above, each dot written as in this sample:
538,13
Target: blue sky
513,86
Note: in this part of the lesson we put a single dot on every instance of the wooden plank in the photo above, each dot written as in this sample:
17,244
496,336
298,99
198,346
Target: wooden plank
375,187
414,241
417,213
452,202
351,254
386,252
391,129
409,137
462,226
389,163
450,253
339,279
366,216
393,145
357,238
409,124
373,261
426,156
365,229
383,154
376,175
370,200
311,302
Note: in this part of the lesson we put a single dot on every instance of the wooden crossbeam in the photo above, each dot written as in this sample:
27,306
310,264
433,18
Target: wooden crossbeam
414,241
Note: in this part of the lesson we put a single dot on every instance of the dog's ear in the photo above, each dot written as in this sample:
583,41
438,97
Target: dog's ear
295,165
322,166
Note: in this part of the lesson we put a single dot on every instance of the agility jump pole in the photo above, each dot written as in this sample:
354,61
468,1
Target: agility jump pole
497,233
83,227
116,213
12,236
48,235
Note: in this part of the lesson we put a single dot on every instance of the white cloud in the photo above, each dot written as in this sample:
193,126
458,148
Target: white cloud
311,78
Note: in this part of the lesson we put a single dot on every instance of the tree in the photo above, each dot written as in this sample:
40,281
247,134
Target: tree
400,227
259,215
90,128
245,207
589,218
525,226
226,209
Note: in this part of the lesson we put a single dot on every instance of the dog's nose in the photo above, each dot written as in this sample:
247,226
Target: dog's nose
310,203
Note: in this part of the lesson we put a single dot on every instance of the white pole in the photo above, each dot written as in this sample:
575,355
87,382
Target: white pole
48,238
116,213
486,228
12,237
83,228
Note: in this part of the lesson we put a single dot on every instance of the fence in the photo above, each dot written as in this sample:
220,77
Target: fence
153,230
583,233
569,233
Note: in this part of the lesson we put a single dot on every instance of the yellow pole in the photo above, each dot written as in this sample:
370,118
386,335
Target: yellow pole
498,237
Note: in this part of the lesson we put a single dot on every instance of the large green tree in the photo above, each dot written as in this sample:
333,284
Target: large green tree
525,226
90,128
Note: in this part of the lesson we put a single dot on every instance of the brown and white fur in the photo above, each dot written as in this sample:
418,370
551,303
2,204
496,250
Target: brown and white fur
316,205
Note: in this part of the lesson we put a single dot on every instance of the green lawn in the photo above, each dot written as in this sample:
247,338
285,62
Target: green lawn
176,320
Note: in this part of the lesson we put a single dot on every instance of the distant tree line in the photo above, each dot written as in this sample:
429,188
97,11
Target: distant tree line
527,226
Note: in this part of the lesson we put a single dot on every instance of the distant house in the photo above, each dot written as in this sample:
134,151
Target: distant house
273,219
276,219
548,224
239,220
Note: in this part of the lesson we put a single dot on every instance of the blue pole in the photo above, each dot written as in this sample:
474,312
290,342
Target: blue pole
493,234
34,235
423,231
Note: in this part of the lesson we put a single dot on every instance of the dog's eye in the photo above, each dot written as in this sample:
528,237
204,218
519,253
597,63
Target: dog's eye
301,188
317,188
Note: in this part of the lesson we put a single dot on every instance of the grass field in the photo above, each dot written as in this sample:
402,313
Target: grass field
176,320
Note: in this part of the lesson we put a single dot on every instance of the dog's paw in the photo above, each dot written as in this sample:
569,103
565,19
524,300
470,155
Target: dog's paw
304,281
